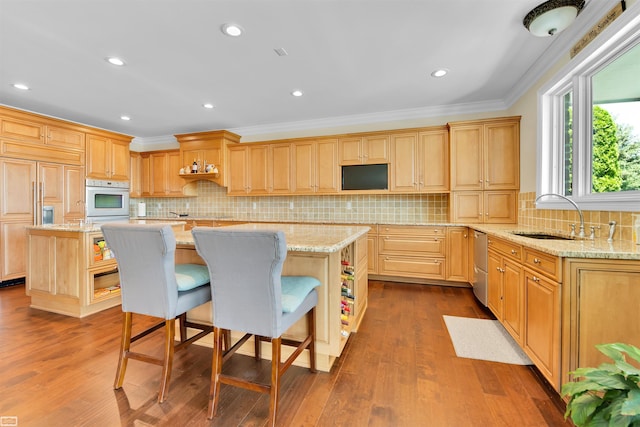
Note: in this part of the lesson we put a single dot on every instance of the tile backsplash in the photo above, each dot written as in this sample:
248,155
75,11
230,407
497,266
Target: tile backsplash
561,220
212,201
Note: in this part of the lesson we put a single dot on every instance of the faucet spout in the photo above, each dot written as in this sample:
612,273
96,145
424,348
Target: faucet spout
575,205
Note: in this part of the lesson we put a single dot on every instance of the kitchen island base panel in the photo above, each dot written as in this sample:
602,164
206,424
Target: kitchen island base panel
70,306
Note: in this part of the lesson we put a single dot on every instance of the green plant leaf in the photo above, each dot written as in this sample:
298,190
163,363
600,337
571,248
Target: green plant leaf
612,351
632,351
582,407
631,406
608,380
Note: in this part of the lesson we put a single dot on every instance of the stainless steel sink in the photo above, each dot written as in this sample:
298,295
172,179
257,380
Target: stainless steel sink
542,235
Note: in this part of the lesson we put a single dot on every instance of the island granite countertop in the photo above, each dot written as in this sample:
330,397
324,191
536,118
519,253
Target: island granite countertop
300,237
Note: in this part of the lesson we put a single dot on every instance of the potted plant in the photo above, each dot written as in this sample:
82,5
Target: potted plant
608,395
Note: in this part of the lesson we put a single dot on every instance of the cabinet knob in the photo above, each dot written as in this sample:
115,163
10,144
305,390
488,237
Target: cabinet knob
535,279
513,251
536,261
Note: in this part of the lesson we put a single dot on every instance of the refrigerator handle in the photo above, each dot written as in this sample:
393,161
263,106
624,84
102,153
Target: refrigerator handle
41,211
35,203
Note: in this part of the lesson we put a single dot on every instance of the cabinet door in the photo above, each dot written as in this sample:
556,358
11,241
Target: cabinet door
403,171
51,190
135,189
466,207
433,161
98,157
542,325
65,138
174,182
14,249
457,254
350,151
372,253
280,169
158,163
502,156
22,130
494,283
238,183
326,166
119,166
500,207
375,149
304,167
513,300
258,170
74,193
466,157
145,174
18,180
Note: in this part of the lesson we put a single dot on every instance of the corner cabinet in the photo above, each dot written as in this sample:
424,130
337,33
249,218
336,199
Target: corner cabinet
107,157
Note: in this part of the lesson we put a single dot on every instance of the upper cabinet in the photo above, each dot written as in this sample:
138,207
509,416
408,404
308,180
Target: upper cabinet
259,169
420,161
485,154
315,163
107,157
206,148
367,149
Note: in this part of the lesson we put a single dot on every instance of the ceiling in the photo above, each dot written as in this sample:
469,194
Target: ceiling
353,59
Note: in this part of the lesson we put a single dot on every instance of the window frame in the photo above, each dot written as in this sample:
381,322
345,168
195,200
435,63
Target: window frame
618,38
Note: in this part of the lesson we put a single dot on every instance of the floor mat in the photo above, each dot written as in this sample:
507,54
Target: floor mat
485,340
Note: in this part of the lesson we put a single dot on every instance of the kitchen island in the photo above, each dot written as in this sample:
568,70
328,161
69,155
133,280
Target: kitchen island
321,251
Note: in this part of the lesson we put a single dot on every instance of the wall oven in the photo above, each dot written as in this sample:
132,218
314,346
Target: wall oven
107,200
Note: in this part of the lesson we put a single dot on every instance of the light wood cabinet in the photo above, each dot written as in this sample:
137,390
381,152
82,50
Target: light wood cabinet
488,207
411,251
542,323
485,154
260,169
365,149
599,306
74,194
135,187
420,161
505,293
158,174
30,128
457,254
207,148
107,157
315,164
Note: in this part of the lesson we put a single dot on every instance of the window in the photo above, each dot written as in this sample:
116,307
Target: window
589,124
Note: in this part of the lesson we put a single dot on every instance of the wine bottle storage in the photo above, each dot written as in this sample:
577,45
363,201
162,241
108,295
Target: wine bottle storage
347,291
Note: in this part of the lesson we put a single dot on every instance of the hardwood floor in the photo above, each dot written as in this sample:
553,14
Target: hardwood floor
400,369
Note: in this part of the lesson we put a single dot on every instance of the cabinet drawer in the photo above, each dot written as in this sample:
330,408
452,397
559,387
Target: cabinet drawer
428,268
412,245
543,263
413,230
512,250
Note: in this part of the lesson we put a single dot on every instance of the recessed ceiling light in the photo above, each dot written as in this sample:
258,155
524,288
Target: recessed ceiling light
126,118
21,86
440,73
209,106
297,93
232,30
115,61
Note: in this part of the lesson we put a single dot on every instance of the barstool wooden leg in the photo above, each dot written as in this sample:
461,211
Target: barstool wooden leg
183,327
216,370
276,347
311,322
125,345
170,332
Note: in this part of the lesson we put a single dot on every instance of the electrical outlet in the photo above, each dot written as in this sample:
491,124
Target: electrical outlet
290,205
255,206
187,205
348,206
159,205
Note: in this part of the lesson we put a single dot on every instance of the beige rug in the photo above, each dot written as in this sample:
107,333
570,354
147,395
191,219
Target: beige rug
485,340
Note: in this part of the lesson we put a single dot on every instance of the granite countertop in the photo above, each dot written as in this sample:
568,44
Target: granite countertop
577,248
300,237
91,228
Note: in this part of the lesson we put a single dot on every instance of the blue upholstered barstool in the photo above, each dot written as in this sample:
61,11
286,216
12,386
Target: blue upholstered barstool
250,295
152,284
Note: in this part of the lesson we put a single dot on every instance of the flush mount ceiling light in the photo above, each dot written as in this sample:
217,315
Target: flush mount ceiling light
208,106
20,86
297,93
553,16
125,118
440,72
115,61
232,30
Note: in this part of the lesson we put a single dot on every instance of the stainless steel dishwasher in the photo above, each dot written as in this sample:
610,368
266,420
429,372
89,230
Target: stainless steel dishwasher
480,266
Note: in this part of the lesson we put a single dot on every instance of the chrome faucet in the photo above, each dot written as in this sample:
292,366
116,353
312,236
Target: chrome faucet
575,205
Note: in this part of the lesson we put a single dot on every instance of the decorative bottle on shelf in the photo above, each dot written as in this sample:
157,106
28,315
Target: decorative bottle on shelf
194,167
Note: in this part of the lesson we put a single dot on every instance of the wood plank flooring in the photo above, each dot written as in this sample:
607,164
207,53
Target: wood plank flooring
400,369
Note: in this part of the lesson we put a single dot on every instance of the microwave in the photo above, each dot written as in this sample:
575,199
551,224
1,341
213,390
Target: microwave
107,198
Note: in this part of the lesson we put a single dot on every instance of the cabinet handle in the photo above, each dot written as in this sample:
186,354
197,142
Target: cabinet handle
513,251
536,261
464,235
480,181
535,279
486,213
